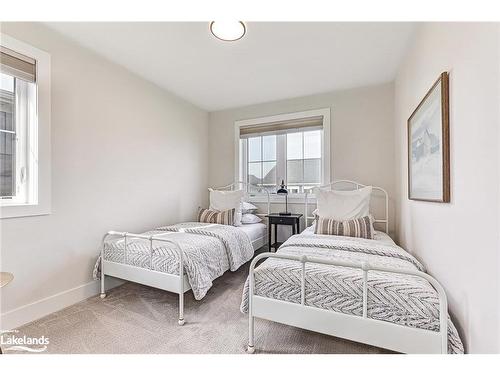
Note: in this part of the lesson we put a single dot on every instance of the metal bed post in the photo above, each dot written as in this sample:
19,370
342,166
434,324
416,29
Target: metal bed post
103,290
364,267
251,319
303,260
181,284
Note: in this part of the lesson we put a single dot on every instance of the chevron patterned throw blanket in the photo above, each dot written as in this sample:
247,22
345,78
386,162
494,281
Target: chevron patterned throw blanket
207,253
237,244
401,299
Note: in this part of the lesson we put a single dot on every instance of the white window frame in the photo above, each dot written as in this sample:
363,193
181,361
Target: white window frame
41,205
325,147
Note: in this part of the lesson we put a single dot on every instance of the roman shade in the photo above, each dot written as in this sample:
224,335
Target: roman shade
17,65
282,127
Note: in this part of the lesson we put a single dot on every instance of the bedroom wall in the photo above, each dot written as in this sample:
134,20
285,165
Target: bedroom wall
362,135
118,144
458,242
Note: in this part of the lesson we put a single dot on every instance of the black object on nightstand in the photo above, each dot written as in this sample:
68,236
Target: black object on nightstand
277,219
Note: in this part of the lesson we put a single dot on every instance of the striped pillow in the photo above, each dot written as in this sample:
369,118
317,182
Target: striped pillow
225,217
362,227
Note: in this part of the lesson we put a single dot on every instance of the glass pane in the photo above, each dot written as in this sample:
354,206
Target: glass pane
312,144
294,146
269,173
255,173
254,149
6,82
294,171
6,102
312,171
6,164
269,147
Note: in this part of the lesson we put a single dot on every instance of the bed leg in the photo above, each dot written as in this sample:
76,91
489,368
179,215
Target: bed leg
181,309
251,347
103,290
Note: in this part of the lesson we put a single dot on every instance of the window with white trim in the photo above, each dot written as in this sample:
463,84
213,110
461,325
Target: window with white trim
18,126
24,129
292,150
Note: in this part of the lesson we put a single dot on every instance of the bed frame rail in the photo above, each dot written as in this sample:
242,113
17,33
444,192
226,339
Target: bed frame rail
357,328
146,276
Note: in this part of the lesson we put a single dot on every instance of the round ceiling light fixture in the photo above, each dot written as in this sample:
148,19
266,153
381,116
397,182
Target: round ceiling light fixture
228,31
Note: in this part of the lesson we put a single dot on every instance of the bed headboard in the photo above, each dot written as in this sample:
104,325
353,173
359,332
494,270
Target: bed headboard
353,185
248,188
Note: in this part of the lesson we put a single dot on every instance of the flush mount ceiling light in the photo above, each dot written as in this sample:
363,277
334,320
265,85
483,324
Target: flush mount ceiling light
228,31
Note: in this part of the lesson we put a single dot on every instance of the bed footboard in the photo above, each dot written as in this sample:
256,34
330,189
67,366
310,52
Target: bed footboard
356,328
146,276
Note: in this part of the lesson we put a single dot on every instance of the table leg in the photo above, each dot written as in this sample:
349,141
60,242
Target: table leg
275,237
269,236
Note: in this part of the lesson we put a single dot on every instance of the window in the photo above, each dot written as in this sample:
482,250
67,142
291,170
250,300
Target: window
303,160
24,129
262,160
17,136
293,150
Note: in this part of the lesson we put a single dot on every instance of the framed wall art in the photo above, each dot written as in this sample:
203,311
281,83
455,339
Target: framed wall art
429,146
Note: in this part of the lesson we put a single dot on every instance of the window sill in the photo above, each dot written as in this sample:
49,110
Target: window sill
14,210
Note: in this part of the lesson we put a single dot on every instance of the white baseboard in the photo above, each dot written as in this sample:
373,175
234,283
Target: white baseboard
38,309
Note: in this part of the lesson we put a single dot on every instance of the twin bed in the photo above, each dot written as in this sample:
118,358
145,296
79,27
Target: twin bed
180,257
366,290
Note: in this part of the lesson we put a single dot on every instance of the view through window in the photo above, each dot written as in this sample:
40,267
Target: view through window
294,157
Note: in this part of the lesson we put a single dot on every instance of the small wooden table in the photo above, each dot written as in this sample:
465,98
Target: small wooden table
277,219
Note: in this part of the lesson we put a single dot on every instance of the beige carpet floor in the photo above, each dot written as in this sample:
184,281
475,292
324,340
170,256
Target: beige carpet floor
139,319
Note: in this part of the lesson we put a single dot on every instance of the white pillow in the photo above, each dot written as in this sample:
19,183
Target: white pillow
250,219
247,207
227,200
344,205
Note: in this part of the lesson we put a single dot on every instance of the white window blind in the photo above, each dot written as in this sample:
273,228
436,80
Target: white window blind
17,65
282,127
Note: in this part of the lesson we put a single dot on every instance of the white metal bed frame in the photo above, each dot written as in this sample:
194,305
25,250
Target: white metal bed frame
356,328
169,282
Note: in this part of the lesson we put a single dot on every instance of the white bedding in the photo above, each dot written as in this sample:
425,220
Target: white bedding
254,231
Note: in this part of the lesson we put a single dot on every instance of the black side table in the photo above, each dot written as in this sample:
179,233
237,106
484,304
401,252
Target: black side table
277,219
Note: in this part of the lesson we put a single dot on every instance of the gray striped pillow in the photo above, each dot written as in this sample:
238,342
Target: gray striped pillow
362,227
225,217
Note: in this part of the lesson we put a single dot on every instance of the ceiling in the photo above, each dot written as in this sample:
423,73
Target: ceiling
274,60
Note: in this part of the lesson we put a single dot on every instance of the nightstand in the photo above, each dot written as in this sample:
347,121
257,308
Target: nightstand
277,219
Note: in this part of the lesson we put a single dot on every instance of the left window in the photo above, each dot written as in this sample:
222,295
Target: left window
24,129
18,127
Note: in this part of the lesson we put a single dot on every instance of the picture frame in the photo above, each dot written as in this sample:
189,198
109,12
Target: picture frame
429,146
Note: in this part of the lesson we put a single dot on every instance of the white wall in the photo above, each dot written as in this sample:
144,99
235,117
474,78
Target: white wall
362,135
126,155
458,242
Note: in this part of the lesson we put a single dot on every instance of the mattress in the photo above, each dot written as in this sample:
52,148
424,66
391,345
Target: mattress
254,231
